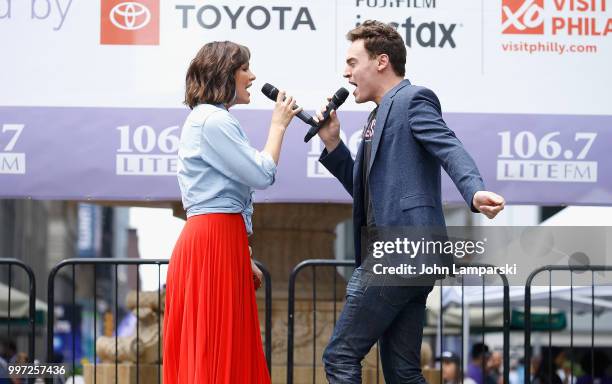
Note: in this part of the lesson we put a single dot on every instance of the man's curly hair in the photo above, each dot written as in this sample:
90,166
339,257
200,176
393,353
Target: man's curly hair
379,38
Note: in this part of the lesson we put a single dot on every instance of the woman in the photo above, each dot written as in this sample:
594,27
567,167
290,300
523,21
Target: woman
451,371
211,328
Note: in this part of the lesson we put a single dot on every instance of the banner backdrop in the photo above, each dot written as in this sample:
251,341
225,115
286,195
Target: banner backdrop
91,91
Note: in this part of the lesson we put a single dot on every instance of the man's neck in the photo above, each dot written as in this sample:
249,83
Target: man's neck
386,86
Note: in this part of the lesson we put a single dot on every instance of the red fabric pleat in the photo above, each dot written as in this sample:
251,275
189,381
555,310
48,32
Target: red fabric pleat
211,327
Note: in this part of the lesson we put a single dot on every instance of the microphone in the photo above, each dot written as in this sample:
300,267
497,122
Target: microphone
272,93
336,101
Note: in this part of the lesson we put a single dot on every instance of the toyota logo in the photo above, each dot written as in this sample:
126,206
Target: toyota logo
130,16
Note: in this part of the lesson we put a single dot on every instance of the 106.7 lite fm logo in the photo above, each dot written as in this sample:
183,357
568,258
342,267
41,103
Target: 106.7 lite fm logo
142,151
314,168
550,157
11,162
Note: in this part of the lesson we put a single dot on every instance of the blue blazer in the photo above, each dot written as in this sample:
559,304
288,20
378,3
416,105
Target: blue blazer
411,141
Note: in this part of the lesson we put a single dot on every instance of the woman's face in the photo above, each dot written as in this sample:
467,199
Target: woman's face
244,79
450,371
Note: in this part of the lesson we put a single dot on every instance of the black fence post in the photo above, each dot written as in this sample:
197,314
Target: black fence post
550,269
31,301
291,302
137,262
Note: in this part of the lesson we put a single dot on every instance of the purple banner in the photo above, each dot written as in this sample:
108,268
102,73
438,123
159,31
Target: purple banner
130,154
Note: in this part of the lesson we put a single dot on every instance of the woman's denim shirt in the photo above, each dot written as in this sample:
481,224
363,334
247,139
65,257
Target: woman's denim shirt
218,168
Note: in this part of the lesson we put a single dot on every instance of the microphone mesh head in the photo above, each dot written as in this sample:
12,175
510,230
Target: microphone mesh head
340,96
270,91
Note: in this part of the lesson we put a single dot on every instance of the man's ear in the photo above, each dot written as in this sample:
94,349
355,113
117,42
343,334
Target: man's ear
383,61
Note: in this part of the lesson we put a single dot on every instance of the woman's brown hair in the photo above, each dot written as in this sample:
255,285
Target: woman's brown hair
210,77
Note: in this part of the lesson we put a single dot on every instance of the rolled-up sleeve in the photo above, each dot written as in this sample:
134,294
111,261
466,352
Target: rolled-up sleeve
226,148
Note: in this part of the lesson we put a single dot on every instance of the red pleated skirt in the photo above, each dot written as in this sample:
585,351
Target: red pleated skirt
211,328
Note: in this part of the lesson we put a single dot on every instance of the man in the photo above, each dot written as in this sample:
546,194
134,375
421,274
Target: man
7,357
394,181
480,358
494,369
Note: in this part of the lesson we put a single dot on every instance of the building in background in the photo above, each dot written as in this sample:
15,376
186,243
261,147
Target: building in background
40,234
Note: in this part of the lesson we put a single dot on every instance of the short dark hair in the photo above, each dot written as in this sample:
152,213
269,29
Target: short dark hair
210,77
379,38
479,350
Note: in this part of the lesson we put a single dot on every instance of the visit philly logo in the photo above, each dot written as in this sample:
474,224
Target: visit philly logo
523,17
419,29
575,18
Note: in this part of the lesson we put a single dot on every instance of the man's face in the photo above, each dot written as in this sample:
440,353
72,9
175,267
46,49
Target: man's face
496,360
361,71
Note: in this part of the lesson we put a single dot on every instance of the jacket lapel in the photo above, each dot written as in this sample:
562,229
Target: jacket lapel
381,118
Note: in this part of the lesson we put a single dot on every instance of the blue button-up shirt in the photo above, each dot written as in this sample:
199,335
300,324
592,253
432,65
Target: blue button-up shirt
218,168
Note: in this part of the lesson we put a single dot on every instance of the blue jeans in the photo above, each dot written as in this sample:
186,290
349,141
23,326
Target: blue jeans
394,315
